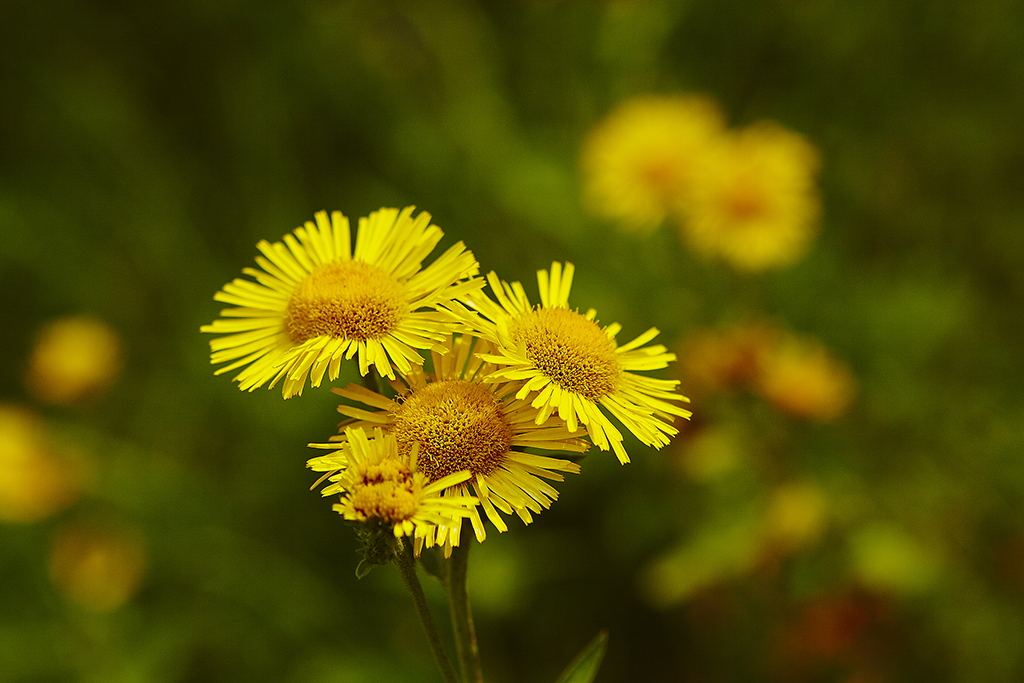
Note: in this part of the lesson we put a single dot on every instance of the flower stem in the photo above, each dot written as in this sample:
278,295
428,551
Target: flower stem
462,617
407,568
371,380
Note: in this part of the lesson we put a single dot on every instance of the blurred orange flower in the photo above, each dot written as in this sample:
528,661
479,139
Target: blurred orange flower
799,377
726,358
794,373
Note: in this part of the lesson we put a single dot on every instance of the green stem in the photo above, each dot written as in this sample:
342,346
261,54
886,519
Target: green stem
407,568
371,381
462,616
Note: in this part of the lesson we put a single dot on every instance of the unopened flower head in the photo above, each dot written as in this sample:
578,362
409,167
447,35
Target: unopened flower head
380,485
316,301
756,206
457,423
569,364
639,164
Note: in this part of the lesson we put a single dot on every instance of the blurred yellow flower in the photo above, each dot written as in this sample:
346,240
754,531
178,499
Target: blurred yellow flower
34,481
458,423
572,366
639,164
756,204
798,376
379,484
316,301
97,565
73,358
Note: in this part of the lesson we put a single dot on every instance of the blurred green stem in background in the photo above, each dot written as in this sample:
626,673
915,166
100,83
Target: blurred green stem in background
407,568
462,618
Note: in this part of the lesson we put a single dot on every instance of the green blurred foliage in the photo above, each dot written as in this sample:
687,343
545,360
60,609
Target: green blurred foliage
146,147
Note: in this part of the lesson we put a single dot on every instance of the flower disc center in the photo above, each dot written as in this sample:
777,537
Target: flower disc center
459,425
745,201
570,350
664,176
385,491
344,299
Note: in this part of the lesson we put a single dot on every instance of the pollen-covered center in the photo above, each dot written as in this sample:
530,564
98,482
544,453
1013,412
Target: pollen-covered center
569,349
344,299
459,425
386,491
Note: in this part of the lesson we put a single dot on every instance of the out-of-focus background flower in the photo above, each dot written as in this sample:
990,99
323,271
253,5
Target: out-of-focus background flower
846,504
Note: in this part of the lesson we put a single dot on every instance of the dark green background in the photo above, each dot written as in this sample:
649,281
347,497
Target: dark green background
145,147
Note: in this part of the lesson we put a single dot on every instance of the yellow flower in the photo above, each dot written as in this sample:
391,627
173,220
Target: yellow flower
639,164
569,364
756,206
315,301
379,484
798,376
35,482
73,358
458,423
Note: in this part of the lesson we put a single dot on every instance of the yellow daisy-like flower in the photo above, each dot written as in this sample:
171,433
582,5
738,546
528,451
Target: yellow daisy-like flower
316,301
377,483
569,364
756,206
458,423
639,164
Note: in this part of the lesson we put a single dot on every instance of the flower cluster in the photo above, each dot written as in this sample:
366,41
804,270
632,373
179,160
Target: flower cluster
443,440
747,197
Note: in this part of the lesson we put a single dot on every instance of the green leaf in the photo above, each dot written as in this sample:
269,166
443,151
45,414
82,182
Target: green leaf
585,666
364,568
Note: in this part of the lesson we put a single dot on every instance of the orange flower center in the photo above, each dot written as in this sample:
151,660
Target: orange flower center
344,299
664,176
459,425
385,491
745,201
570,350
